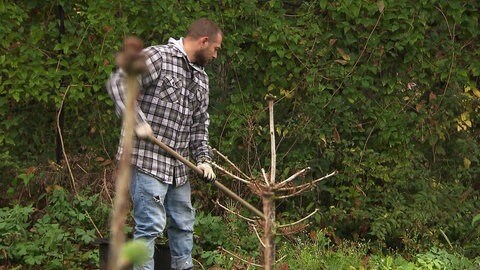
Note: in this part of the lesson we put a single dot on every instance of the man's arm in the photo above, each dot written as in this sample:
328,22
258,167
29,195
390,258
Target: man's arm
116,83
199,133
116,91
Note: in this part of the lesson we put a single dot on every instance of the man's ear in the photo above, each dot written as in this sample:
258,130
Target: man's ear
203,41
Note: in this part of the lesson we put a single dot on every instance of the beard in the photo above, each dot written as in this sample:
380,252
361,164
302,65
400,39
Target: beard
201,58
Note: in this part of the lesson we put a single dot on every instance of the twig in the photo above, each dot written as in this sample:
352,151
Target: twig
93,223
258,235
446,238
298,221
60,135
452,37
198,263
233,212
366,142
295,175
229,173
283,257
356,62
231,163
295,193
265,177
241,259
105,185
81,168
308,184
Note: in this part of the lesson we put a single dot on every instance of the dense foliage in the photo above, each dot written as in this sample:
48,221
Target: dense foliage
385,92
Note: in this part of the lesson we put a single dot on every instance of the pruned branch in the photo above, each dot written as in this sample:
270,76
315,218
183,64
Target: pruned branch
233,212
298,221
265,177
231,163
308,184
273,161
229,173
295,175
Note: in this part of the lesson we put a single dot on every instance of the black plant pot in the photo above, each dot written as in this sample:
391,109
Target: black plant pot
161,255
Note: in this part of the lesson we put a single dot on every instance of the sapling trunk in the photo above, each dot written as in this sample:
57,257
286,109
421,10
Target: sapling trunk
268,197
133,63
120,205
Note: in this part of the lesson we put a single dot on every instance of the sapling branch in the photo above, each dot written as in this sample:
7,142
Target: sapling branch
299,191
258,235
298,221
229,173
233,212
310,184
265,177
224,157
295,175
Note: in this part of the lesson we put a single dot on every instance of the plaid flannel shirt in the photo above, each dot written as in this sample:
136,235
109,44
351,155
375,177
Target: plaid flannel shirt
173,99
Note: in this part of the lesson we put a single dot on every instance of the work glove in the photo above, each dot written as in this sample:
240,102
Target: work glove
143,130
208,173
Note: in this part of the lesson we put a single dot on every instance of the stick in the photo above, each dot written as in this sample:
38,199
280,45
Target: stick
219,185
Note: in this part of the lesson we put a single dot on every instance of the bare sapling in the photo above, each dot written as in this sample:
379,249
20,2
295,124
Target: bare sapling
267,188
133,63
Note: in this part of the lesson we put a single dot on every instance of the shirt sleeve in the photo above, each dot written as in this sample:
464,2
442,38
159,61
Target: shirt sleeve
116,83
199,132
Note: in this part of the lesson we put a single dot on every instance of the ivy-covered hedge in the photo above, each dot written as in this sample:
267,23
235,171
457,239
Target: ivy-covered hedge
385,92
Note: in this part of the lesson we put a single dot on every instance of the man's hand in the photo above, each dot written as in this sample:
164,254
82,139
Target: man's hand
207,170
143,131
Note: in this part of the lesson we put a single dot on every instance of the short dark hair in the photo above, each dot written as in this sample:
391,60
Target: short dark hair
203,27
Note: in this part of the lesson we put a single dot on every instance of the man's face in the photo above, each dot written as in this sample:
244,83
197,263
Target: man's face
208,50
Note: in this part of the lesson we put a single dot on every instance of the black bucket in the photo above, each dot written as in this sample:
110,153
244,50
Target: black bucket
161,255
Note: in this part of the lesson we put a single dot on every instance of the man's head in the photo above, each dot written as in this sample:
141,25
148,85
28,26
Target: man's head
203,40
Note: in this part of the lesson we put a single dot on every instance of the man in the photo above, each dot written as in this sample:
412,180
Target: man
172,106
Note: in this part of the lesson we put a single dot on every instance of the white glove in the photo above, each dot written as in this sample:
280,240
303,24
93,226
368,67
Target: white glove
143,130
207,170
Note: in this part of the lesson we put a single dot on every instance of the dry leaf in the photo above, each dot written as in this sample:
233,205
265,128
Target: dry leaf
336,135
466,163
380,6
332,41
344,55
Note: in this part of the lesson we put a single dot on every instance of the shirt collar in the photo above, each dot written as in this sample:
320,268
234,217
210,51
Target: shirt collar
178,44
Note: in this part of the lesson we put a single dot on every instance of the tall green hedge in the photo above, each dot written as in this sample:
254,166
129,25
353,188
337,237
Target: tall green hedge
385,92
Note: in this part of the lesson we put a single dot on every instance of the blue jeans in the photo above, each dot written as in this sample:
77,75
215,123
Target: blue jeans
153,202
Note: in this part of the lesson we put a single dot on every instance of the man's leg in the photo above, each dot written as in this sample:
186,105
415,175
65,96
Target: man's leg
148,195
180,229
